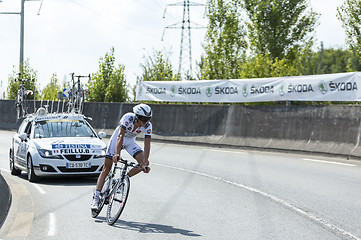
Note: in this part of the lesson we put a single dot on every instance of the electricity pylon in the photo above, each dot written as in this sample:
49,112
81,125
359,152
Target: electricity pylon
185,52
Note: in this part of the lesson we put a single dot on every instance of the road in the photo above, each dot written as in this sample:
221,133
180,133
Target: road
197,192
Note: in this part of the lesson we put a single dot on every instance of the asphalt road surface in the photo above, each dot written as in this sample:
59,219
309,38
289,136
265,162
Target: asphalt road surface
196,192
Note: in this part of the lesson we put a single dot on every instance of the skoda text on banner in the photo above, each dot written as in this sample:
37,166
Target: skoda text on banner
327,87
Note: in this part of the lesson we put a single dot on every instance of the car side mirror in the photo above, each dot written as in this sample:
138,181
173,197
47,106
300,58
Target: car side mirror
23,136
102,134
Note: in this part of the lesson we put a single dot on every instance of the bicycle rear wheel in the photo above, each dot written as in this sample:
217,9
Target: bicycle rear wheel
103,197
117,201
19,110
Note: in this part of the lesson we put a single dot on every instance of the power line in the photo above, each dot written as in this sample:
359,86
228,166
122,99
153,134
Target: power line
111,19
185,52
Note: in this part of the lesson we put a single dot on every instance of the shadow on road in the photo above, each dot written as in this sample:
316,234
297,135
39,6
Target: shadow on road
149,227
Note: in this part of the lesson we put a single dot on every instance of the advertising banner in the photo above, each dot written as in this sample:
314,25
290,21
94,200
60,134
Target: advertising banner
327,87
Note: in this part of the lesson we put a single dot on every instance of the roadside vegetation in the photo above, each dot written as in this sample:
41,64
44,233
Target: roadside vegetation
244,39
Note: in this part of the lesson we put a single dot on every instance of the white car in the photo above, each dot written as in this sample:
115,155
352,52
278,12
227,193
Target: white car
56,144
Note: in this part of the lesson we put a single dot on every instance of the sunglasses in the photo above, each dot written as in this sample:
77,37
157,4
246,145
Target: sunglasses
144,119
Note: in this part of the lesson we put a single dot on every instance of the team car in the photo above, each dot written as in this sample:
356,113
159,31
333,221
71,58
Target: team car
56,144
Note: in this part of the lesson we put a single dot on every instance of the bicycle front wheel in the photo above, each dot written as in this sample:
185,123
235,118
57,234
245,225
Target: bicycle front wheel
103,197
117,200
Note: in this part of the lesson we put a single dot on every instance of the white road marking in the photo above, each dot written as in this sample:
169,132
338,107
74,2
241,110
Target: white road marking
52,224
329,162
40,189
225,151
291,206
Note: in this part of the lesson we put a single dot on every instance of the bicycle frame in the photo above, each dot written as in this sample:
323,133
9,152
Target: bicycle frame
123,173
112,185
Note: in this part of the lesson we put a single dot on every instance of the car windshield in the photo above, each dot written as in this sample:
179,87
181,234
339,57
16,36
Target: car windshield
62,128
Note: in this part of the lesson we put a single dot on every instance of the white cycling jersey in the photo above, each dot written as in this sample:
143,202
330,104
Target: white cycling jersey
127,123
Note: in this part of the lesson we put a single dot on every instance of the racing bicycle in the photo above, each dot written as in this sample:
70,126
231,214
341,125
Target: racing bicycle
115,191
21,103
77,95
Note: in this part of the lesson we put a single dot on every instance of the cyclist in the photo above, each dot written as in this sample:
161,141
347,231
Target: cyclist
130,125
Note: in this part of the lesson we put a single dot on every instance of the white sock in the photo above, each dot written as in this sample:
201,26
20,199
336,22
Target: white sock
97,193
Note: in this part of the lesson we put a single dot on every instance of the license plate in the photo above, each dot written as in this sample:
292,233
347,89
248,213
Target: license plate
78,165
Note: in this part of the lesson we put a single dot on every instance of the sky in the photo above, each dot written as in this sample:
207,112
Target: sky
70,36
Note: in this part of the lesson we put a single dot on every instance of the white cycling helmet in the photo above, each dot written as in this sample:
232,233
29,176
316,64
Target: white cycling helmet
143,112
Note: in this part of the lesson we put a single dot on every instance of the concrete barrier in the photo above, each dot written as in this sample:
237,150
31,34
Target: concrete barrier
333,129
5,199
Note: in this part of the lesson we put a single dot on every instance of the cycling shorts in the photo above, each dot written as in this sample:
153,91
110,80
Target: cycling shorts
129,145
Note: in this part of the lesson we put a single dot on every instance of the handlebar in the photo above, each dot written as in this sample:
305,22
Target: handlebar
129,163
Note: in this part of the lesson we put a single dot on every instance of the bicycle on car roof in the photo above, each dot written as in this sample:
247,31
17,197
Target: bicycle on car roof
21,99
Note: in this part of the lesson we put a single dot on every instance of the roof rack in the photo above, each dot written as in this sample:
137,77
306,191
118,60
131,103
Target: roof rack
74,104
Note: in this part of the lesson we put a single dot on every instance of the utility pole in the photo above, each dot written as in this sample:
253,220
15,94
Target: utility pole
185,52
22,23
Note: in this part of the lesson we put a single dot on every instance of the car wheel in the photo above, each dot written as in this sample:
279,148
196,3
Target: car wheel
13,169
31,174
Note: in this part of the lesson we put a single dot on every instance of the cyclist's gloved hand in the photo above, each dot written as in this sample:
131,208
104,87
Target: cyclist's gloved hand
145,168
116,158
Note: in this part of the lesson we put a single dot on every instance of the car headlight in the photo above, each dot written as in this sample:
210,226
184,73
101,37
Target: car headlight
48,154
104,150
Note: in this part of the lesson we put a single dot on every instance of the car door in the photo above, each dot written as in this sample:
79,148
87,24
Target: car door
20,146
17,141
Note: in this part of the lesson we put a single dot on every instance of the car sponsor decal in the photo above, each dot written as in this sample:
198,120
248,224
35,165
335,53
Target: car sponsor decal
62,148
59,117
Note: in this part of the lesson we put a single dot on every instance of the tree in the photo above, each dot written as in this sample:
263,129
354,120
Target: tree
27,73
225,43
109,83
50,92
350,16
158,68
263,66
279,28
326,61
